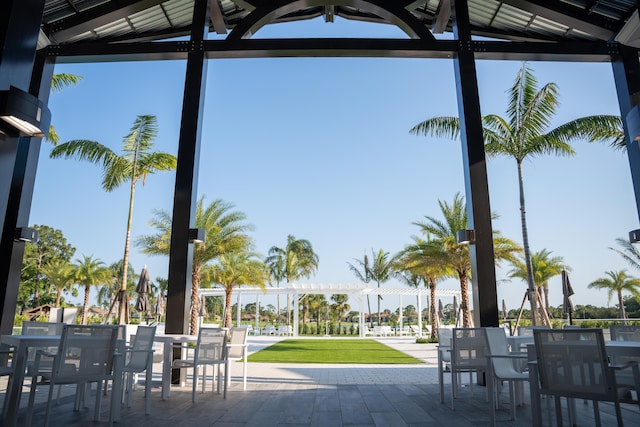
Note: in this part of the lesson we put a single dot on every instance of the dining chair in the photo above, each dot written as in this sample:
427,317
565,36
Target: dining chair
625,332
573,363
624,378
468,355
210,349
504,365
237,349
138,358
6,371
86,354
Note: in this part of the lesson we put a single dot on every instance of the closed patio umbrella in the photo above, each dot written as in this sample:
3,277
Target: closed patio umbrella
143,289
567,291
440,310
455,310
504,309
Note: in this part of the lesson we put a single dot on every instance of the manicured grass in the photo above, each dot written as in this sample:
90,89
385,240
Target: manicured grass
331,351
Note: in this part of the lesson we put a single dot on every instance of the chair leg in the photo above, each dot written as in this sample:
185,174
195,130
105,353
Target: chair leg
32,395
147,388
195,384
98,404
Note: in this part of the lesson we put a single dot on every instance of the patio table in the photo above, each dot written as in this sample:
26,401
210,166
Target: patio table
167,356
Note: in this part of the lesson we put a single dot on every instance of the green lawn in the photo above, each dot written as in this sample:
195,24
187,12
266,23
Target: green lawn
331,351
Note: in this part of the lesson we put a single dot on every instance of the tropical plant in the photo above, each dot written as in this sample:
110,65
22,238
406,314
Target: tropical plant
295,261
276,272
616,283
225,231
90,272
382,270
61,275
59,82
524,135
628,252
361,270
135,163
340,305
424,259
236,269
456,255
544,267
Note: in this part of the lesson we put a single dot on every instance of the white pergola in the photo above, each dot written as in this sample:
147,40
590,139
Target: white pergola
358,291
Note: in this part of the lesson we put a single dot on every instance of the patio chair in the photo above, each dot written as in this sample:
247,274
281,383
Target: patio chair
269,330
573,363
237,349
625,378
6,371
210,349
503,366
625,332
468,354
86,354
138,359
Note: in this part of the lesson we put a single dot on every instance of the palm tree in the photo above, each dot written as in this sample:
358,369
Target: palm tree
236,269
276,272
544,267
523,134
456,255
136,162
90,272
425,259
340,306
361,270
628,252
618,282
296,260
382,270
61,275
225,231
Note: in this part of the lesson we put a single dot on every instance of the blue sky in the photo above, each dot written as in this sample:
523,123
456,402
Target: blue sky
320,148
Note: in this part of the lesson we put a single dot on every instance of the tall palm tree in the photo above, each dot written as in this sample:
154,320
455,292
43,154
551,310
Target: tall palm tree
424,259
225,231
297,260
361,270
382,270
61,275
524,134
133,165
544,267
90,272
236,269
618,282
276,272
456,255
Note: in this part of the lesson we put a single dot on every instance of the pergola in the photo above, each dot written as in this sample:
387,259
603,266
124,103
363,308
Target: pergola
358,291
37,34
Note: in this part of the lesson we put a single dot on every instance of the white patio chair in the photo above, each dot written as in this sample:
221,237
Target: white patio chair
86,354
573,363
138,359
269,330
468,354
6,371
625,332
503,366
444,356
211,349
237,349
625,378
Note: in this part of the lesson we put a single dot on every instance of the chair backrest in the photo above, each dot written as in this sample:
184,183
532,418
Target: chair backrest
42,328
238,340
625,332
141,347
499,346
468,349
573,363
528,330
211,346
85,353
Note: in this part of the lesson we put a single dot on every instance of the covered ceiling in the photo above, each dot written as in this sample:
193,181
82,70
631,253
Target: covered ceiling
68,22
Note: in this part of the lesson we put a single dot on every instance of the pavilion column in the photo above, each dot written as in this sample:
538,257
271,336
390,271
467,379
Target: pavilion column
420,314
186,186
257,330
239,310
296,314
19,28
483,272
626,73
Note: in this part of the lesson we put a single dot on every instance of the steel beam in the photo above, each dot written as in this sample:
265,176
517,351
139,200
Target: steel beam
483,272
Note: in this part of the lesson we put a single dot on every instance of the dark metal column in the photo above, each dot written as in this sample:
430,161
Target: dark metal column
626,73
483,280
185,196
19,28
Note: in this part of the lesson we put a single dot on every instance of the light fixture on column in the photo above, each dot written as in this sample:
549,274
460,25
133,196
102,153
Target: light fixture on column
197,235
26,234
466,236
22,114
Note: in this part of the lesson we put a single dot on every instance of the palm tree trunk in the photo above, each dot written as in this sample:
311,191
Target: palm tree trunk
369,306
195,287
123,308
379,318
435,323
527,252
545,289
464,300
58,296
623,313
278,303
227,317
85,308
